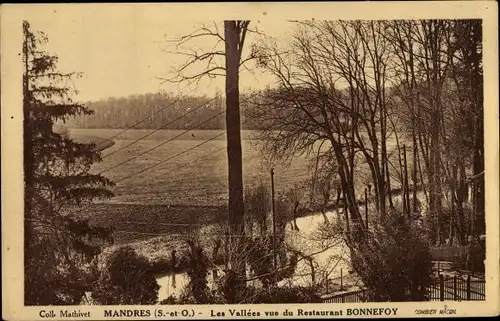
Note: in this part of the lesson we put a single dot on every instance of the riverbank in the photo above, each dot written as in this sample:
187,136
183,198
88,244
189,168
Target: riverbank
155,230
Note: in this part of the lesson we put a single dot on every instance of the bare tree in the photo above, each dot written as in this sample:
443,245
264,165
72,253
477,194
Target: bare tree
332,86
258,204
431,54
233,38
326,182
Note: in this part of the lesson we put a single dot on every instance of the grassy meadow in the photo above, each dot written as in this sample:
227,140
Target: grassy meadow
197,177
190,188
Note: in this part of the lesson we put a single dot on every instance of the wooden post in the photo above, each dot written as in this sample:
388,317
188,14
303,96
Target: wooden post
441,287
406,194
341,281
313,272
174,263
468,287
275,265
455,294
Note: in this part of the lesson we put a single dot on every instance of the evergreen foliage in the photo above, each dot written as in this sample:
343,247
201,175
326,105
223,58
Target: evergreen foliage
59,249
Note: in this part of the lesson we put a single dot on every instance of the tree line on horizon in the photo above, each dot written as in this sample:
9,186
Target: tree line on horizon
158,111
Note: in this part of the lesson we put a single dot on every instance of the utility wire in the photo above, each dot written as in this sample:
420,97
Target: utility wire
165,160
161,144
172,157
48,181
158,129
140,121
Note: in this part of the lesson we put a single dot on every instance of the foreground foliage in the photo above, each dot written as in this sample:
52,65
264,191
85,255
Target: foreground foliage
60,251
393,261
127,278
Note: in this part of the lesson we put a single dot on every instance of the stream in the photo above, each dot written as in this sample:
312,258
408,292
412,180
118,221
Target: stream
332,260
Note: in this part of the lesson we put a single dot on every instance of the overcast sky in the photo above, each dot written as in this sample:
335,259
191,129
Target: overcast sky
120,48
122,52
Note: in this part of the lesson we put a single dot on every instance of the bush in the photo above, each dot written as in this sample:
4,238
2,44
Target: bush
197,273
393,261
475,255
126,279
61,261
171,300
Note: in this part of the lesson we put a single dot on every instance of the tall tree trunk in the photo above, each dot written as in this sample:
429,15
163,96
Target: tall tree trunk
389,188
383,162
234,153
461,197
406,195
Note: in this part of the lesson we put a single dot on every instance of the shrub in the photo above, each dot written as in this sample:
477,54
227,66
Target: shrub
476,254
127,278
197,272
171,300
393,261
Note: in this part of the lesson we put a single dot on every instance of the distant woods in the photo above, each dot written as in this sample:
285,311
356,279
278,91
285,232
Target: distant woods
157,111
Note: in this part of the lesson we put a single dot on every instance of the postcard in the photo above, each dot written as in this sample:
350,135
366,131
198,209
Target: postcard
250,160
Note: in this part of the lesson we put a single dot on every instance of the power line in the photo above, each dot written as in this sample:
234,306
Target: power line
204,156
151,114
172,157
161,144
48,181
140,121
166,160
165,142
158,129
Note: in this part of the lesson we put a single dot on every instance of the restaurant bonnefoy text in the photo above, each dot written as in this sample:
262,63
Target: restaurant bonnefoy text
218,312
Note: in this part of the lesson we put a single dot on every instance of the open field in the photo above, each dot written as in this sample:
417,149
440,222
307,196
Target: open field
185,189
184,179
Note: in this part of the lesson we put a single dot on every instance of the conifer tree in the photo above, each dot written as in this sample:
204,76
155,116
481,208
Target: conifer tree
59,248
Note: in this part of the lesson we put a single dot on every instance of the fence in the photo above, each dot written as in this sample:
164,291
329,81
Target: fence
457,289
347,297
441,289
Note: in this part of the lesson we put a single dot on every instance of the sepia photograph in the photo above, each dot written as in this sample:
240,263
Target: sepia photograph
181,161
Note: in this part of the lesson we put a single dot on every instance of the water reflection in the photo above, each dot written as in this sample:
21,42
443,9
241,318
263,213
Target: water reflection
333,260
